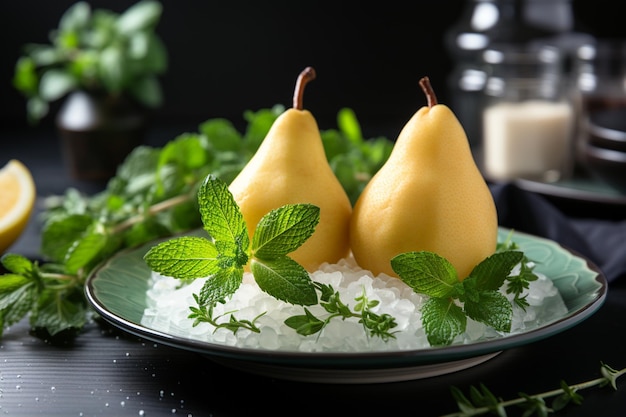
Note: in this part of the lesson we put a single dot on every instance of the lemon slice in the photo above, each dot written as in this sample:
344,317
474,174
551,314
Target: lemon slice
17,199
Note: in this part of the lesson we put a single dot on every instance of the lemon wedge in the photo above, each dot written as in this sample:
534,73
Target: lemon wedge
17,199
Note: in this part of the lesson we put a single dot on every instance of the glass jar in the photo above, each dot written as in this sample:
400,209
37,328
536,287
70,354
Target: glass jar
489,23
528,116
599,89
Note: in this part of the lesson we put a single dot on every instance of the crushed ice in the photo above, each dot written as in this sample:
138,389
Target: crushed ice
168,309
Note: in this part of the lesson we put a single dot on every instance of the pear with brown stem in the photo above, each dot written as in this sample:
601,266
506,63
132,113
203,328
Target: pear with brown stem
289,167
428,196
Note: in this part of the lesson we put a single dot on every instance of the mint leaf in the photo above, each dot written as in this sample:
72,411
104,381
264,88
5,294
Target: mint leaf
17,264
14,305
284,279
10,282
186,151
184,257
427,273
284,230
349,125
442,320
222,284
21,296
56,314
491,273
492,309
221,216
222,135
60,234
86,250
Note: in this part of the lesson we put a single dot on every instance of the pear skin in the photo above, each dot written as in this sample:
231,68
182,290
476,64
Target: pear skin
289,167
428,196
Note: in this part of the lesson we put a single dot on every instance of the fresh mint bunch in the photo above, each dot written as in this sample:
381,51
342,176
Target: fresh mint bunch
48,294
450,300
223,255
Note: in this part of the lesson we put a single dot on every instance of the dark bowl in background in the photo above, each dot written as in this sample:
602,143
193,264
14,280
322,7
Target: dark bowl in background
607,129
606,165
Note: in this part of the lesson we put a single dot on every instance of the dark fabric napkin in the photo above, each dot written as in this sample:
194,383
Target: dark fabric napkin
603,242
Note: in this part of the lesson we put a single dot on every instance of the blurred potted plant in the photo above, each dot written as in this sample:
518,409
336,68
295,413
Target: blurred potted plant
105,67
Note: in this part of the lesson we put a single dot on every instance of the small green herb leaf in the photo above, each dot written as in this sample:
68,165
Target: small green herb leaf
56,314
184,257
305,324
491,273
492,309
427,273
284,279
16,301
443,320
86,250
283,230
10,282
220,214
139,17
220,285
17,264
59,234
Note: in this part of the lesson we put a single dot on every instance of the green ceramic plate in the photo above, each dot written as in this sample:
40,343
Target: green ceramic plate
118,292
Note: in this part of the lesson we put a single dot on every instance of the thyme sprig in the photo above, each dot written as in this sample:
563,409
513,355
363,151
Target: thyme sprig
482,401
205,313
375,325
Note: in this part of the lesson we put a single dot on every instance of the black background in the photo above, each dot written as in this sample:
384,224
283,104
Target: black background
230,56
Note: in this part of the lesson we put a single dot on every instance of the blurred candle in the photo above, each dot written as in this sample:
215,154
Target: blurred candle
530,139
528,119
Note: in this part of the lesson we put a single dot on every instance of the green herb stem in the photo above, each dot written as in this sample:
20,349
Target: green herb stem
609,379
63,281
152,210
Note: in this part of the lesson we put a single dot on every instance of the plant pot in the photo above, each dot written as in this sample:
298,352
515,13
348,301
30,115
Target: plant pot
98,131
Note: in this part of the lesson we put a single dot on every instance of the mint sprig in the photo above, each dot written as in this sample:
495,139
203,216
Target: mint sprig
451,301
223,255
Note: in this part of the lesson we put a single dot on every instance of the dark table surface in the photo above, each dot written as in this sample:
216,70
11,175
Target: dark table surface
108,372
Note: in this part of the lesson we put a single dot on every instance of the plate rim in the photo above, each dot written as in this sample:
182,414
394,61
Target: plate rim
353,360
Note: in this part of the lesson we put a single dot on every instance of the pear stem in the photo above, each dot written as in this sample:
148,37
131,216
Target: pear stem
428,90
307,74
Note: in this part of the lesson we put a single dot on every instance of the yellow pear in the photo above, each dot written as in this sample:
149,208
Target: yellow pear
289,167
428,196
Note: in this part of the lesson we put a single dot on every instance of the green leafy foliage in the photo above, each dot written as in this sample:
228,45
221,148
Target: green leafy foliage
451,301
353,158
48,296
154,195
96,50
